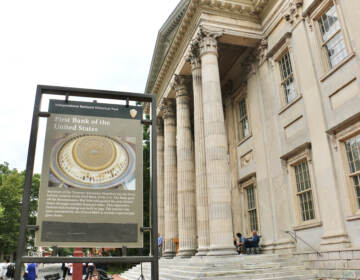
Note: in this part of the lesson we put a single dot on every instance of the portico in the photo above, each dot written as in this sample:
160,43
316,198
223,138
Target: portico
237,148
203,180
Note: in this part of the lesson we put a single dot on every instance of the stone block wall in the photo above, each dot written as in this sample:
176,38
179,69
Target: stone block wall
331,265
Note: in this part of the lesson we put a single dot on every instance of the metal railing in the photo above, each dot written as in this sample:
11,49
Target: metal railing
296,238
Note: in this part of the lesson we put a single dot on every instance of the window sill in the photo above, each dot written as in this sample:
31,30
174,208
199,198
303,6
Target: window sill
244,140
311,224
290,104
337,67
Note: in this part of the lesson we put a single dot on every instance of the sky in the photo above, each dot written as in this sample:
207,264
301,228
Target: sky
99,44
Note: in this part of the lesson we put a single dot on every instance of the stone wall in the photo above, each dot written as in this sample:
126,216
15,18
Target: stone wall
331,265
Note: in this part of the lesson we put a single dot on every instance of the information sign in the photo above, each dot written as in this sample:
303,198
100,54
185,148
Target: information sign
91,190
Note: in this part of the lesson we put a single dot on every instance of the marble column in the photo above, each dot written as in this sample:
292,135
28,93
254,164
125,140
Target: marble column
185,169
160,175
170,177
202,215
217,165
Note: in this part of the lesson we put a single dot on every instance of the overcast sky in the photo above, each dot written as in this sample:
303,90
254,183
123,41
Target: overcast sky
100,44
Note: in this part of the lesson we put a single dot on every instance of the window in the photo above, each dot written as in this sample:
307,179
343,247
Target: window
287,78
304,196
243,120
251,208
303,191
353,154
333,43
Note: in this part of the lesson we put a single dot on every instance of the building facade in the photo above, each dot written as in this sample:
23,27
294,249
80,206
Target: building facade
258,105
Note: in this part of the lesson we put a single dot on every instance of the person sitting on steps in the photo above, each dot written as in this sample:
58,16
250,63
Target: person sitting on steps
239,243
253,242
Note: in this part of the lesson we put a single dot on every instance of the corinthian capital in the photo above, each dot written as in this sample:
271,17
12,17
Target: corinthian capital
194,55
168,108
208,40
181,85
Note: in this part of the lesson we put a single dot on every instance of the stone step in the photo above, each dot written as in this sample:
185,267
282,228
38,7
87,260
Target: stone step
238,262
237,265
205,267
225,275
230,262
210,259
215,269
297,276
259,267
239,274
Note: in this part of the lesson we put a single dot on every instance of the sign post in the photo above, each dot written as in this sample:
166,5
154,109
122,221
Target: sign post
91,184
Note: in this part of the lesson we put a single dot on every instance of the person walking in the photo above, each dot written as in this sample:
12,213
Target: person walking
30,272
10,272
3,269
64,268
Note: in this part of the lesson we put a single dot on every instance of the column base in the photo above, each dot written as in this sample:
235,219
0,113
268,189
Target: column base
170,249
202,252
222,251
335,242
186,253
168,254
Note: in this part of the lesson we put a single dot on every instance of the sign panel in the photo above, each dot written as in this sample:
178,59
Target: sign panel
91,192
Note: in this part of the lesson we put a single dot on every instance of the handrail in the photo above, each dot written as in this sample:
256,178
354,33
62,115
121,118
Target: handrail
296,237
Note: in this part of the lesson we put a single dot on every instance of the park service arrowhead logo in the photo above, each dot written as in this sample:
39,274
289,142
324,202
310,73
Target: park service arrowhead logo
133,113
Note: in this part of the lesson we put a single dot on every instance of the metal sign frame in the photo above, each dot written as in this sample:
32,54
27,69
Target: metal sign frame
24,227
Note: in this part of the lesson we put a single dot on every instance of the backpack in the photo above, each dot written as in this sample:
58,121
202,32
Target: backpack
10,271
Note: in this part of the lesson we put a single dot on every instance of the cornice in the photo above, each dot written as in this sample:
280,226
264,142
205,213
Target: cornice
167,69
163,42
259,5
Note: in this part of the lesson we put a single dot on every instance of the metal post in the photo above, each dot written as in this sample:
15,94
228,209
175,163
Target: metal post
153,184
27,186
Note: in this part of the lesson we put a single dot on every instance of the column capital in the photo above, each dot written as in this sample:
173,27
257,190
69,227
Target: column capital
168,108
159,126
181,85
208,40
194,55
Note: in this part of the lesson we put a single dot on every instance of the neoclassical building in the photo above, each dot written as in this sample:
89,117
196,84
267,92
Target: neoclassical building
258,107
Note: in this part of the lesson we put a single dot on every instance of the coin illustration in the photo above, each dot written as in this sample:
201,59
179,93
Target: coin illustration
93,161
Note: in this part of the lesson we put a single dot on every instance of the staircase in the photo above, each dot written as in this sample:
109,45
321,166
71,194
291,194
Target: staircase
261,267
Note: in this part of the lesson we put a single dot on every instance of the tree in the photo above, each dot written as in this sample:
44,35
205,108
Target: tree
11,191
10,202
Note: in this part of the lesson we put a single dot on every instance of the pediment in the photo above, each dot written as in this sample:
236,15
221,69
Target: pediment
164,39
